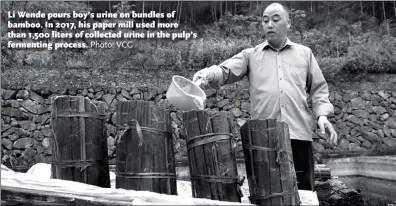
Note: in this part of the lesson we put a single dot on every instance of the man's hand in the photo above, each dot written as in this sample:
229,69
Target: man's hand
204,76
323,123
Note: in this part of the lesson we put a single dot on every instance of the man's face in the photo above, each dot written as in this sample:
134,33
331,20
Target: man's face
275,23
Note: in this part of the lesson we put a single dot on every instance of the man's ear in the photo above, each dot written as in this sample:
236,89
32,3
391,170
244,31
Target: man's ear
288,23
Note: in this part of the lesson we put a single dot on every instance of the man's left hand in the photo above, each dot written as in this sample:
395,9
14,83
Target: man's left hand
323,123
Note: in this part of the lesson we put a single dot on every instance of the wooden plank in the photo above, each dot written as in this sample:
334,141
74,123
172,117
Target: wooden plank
102,109
158,143
132,166
25,197
165,124
171,187
62,129
193,130
133,151
54,143
96,173
160,160
285,158
135,166
206,128
273,137
190,153
147,183
91,142
66,147
121,155
57,133
84,104
248,156
293,177
204,189
102,154
221,151
256,164
226,159
140,118
259,135
26,189
75,138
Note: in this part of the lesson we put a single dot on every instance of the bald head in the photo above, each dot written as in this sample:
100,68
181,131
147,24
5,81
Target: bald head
279,7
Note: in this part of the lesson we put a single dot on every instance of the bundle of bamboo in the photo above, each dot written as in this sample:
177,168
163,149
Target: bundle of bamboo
322,172
79,143
210,153
269,162
144,148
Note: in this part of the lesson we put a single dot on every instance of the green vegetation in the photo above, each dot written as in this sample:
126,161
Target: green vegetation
349,39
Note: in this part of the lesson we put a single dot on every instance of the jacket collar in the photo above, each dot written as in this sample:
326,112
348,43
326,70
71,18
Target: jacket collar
288,43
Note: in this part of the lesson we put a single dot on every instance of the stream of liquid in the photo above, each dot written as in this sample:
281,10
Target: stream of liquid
199,102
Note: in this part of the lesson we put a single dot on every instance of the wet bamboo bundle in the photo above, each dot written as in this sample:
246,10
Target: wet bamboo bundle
269,163
144,145
322,172
79,143
211,158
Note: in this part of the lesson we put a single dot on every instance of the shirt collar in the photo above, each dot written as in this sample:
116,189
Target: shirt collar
288,43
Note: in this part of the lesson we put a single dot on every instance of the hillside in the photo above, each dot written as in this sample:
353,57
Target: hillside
352,41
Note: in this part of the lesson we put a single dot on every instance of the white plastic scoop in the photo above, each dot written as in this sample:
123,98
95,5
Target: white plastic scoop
186,95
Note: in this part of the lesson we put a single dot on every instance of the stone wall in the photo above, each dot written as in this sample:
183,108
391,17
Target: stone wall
365,121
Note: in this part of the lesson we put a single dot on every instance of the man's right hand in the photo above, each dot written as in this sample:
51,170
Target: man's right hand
204,76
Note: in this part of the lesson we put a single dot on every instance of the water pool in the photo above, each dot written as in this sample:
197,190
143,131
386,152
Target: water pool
374,176
374,191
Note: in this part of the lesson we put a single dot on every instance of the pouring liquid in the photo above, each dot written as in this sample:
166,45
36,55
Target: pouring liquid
199,102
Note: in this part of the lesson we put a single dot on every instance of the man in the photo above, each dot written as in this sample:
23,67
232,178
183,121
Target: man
280,74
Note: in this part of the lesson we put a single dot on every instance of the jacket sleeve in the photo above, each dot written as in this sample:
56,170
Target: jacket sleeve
318,89
232,70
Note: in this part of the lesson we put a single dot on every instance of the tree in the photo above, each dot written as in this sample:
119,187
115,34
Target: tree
143,11
214,13
180,12
385,20
394,7
221,9
235,8
361,8
159,10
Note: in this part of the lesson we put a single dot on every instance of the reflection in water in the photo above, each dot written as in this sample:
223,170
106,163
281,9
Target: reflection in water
374,191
